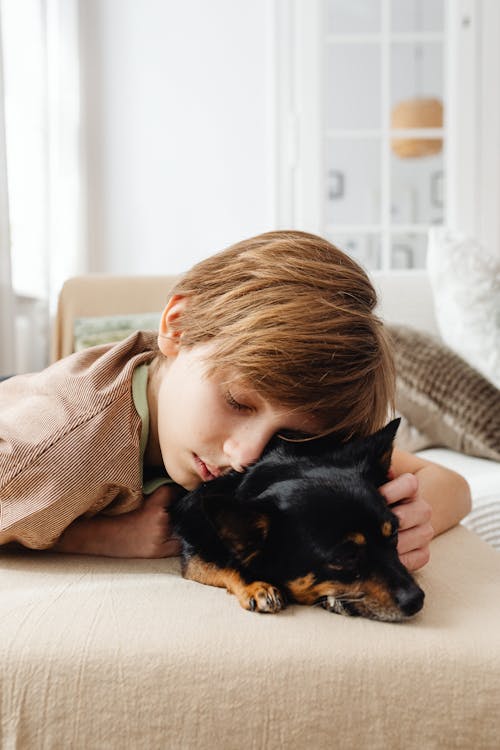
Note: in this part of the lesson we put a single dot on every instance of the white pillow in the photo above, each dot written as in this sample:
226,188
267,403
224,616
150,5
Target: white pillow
465,280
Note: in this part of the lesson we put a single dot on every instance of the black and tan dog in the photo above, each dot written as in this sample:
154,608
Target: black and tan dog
304,524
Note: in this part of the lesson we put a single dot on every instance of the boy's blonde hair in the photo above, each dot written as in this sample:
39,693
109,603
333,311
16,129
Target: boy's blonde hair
293,316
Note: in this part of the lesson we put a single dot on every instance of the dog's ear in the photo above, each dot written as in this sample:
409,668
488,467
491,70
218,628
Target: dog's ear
378,452
242,530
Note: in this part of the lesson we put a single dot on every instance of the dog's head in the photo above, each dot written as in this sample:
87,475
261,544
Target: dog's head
308,518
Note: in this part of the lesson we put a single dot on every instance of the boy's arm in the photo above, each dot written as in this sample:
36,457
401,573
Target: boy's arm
447,492
428,499
144,532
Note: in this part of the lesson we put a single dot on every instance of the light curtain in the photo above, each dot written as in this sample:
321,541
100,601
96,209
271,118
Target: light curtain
7,317
40,222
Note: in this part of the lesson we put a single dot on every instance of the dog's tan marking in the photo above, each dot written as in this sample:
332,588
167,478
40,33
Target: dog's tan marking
197,569
370,598
387,528
302,588
385,458
378,592
306,591
262,522
245,541
378,602
251,556
259,595
357,538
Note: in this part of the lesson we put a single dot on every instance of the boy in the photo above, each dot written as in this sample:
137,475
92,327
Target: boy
274,335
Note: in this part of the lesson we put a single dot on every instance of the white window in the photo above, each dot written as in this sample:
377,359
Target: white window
25,118
42,121
375,132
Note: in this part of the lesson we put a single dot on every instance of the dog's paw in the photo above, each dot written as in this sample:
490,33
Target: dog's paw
262,597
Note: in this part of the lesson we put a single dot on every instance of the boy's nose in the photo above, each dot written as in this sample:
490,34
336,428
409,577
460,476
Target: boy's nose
244,449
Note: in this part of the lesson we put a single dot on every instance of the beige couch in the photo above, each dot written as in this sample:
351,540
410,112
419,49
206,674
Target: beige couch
100,653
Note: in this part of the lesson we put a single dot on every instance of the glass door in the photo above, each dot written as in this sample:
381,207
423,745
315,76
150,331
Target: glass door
385,136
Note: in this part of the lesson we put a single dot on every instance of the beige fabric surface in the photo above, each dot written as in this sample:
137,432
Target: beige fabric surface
100,653
102,294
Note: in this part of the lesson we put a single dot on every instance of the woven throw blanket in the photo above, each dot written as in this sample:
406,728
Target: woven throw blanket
445,398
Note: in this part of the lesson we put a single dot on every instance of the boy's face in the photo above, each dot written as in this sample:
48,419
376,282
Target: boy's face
204,427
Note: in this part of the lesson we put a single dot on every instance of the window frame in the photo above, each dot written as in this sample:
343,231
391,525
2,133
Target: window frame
299,63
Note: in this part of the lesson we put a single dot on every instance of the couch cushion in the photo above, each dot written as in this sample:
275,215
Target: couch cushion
106,329
443,397
466,283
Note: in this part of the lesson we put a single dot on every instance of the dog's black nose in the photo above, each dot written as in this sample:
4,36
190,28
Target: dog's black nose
410,600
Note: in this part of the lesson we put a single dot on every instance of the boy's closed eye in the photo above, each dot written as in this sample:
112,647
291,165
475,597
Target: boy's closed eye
245,401
234,403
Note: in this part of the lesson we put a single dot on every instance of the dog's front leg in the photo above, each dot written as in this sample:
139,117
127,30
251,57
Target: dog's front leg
256,596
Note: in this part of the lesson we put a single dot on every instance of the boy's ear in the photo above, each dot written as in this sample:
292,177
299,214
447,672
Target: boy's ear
169,334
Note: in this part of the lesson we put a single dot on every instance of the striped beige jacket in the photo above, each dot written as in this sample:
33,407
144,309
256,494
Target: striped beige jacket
69,442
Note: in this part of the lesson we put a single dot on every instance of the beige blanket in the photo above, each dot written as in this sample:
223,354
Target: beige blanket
102,654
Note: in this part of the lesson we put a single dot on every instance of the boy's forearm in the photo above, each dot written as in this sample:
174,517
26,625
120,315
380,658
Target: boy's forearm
91,536
447,493
142,533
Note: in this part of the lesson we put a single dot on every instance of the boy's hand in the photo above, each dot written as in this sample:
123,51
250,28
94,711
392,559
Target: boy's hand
144,532
414,514
151,526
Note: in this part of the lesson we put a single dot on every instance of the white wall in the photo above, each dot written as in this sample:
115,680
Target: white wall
177,108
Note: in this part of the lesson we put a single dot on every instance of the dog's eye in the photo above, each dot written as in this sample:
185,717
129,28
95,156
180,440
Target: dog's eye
346,558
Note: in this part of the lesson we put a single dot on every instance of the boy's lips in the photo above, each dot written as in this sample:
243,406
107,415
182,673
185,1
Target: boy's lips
206,473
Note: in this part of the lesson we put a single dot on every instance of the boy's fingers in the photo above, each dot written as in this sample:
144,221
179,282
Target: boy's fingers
404,486
415,538
414,513
416,559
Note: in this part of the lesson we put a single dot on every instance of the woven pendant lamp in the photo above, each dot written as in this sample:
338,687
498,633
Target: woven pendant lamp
417,113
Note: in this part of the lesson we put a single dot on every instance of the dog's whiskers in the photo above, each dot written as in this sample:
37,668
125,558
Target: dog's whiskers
340,598
351,598
337,603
